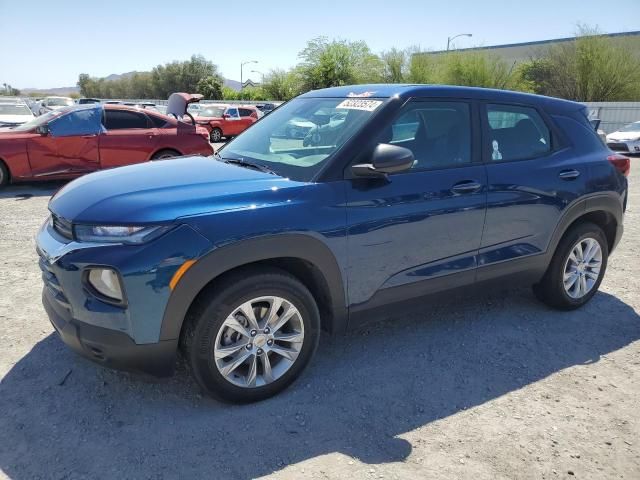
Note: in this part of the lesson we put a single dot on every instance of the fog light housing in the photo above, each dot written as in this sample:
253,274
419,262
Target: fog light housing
106,282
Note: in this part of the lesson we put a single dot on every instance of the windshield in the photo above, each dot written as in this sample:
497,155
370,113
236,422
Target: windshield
632,127
14,110
36,122
297,139
59,102
212,112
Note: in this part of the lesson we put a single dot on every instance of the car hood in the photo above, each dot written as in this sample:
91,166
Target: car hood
15,118
623,135
7,133
162,191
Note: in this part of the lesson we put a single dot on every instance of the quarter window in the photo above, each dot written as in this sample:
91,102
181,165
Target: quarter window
123,119
438,134
516,133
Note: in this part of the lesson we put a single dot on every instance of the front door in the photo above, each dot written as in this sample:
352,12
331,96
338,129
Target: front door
419,231
70,147
232,122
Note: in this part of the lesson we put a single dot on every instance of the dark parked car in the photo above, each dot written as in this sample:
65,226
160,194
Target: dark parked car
241,259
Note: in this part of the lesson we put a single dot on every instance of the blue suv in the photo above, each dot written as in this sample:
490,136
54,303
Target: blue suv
239,260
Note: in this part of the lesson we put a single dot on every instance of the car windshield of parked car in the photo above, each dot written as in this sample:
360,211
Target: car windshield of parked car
212,112
14,109
36,122
297,139
59,102
632,127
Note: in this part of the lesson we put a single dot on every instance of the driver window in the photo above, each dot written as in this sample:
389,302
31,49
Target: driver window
233,112
78,122
438,133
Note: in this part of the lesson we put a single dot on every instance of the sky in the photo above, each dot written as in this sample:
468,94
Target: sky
47,44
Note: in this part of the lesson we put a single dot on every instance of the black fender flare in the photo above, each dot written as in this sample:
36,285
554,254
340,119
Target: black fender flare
226,258
609,202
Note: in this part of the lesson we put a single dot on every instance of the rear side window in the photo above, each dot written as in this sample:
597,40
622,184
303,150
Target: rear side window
516,133
245,112
122,119
159,122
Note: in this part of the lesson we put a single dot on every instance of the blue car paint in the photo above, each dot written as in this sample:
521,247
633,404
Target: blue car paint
384,235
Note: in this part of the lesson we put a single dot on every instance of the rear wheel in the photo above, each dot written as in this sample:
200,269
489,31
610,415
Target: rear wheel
162,154
576,269
4,174
215,136
253,336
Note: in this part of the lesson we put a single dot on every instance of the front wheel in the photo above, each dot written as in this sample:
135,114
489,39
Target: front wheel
4,174
576,269
252,336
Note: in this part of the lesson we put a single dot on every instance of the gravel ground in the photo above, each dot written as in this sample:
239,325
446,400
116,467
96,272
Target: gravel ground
484,387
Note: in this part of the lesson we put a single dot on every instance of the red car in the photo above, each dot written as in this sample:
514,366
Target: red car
76,140
226,120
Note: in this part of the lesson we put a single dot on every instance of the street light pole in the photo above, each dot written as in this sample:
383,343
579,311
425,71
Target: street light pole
449,39
242,64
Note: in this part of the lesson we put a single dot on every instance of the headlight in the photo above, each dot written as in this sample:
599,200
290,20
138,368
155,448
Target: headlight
118,233
106,282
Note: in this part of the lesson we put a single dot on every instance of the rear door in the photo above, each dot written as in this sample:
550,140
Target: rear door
129,137
247,118
533,177
419,231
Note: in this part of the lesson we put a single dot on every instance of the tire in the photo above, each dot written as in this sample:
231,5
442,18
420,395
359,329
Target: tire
163,154
552,290
215,136
206,335
4,174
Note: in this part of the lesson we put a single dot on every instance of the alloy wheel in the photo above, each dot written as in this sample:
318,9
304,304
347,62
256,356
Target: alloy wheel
582,268
259,342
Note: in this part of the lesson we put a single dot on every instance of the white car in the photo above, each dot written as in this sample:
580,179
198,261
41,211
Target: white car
625,140
14,114
54,103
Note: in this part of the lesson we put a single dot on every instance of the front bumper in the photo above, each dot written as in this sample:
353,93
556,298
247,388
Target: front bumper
108,347
125,336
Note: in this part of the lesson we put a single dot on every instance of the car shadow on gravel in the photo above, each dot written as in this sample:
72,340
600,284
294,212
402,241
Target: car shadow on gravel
24,191
63,417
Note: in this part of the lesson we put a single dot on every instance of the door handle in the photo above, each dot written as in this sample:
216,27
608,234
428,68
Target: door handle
466,186
569,174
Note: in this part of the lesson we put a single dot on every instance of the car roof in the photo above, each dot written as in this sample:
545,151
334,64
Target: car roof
406,91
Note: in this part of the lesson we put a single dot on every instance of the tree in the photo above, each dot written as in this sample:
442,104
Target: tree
394,65
210,87
478,69
281,85
338,62
593,68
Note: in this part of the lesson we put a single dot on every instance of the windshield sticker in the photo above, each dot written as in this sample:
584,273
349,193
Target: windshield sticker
363,94
358,104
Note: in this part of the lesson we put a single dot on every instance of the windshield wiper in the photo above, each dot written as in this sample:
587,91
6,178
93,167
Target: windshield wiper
241,162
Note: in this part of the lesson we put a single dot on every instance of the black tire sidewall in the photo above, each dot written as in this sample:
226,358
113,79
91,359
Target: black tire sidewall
210,320
582,232
161,154
211,139
4,174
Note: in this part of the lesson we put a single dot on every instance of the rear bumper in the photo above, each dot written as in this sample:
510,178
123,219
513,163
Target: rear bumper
626,146
109,347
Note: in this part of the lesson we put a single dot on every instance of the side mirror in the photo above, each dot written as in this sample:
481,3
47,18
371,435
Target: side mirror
386,159
226,115
43,129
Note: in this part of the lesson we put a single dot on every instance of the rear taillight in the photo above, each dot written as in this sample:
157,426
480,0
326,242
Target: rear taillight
622,163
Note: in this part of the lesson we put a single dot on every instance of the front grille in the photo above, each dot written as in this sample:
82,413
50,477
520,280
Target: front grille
63,227
51,283
618,147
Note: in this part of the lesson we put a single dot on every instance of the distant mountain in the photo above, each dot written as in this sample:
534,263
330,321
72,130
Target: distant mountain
234,84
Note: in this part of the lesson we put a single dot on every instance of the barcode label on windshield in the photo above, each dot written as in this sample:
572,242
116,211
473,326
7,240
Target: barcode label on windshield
360,104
